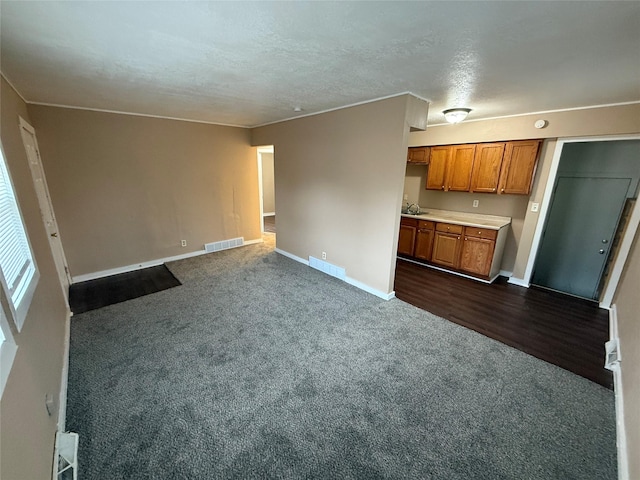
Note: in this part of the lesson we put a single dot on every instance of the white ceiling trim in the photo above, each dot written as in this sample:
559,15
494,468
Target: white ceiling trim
148,115
543,112
540,112
13,86
364,102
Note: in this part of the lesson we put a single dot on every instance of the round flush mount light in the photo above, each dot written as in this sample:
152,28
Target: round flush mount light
297,109
456,115
540,123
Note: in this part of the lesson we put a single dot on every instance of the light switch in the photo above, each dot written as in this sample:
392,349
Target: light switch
535,207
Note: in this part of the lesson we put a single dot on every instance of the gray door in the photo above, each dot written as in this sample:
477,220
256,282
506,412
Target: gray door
582,222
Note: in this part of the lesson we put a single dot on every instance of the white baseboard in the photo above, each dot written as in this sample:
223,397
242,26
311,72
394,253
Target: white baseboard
368,289
62,400
350,281
518,281
621,435
292,256
504,273
151,263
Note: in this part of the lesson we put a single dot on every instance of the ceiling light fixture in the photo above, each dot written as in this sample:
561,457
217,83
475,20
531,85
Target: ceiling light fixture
297,109
456,115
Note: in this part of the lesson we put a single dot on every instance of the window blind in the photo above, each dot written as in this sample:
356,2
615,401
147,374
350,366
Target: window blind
16,262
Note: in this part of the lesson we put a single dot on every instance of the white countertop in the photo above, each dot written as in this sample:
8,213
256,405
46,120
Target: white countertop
492,222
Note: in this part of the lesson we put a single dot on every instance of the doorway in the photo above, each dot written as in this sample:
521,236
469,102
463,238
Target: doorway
266,180
46,207
595,182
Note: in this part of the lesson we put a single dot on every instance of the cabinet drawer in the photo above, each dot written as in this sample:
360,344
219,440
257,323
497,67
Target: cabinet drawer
448,227
409,222
426,225
480,233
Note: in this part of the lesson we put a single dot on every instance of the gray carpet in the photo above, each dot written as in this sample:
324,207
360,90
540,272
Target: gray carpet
260,367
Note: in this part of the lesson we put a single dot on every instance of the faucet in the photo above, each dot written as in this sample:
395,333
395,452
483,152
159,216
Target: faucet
415,211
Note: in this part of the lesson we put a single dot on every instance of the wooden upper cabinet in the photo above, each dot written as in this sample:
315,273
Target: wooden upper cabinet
438,164
486,167
460,167
450,168
418,155
518,167
501,167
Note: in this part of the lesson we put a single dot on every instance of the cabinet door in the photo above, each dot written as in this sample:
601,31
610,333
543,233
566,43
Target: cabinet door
418,155
460,166
424,241
438,163
446,249
486,167
519,166
476,256
407,239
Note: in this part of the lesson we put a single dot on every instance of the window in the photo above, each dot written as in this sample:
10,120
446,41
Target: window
7,350
19,273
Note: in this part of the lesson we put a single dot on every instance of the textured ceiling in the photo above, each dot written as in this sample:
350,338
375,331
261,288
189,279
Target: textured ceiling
245,63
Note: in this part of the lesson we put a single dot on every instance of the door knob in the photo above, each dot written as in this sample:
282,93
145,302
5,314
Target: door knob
604,240
54,234
601,251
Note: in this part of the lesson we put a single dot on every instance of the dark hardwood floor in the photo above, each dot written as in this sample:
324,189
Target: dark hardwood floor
269,223
566,331
105,291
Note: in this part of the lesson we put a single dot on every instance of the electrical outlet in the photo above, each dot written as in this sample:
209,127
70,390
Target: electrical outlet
476,203
406,197
183,243
535,207
324,255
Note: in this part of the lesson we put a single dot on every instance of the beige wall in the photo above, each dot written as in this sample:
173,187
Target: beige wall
600,121
339,180
268,186
627,302
27,432
127,189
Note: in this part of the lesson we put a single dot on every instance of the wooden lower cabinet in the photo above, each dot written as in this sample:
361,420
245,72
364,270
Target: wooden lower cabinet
446,245
473,251
407,236
424,240
476,255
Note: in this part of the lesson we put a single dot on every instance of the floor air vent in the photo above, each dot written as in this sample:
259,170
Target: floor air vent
224,244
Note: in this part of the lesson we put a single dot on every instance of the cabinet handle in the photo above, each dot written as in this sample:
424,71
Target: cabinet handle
480,233
458,237
465,238
502,190
442,187
493,189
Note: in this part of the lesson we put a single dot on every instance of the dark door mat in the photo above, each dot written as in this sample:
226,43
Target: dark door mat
105,291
